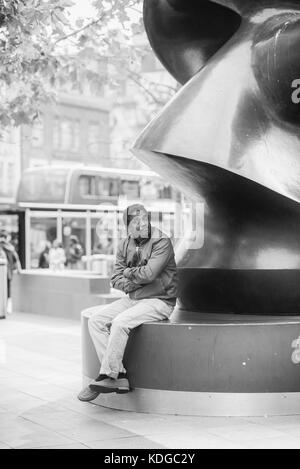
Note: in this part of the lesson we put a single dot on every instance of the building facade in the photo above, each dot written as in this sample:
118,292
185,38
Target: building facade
131,110
10,164
75,130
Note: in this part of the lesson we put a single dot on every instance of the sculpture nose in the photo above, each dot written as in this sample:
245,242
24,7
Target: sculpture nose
202,121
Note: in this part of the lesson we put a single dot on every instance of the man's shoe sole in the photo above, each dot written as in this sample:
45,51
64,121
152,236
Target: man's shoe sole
122,386
123,391
102,389
105,390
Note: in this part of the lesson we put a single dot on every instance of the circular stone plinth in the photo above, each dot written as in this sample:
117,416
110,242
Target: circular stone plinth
208,364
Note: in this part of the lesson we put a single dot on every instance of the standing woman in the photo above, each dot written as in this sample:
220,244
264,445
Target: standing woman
74,253
44,256
57,256
13,263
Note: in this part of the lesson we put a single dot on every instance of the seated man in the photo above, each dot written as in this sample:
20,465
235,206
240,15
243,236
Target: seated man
146,271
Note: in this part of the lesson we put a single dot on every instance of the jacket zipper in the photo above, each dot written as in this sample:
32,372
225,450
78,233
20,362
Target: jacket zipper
137,250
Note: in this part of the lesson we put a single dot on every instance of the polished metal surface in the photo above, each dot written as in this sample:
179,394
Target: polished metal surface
231,136
202,403
232,365
238,356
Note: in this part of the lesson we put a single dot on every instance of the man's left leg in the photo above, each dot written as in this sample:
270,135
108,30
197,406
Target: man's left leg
147,310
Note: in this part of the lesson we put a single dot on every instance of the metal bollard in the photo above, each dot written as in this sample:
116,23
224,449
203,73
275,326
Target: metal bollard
3,288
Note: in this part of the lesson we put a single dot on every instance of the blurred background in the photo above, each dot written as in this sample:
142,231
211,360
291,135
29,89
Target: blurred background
78,83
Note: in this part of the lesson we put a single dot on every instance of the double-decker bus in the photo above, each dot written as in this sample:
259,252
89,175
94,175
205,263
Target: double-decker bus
86,202
92,186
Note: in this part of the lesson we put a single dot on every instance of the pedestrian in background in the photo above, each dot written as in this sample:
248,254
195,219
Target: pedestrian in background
44,256
74,253
13,263
57,256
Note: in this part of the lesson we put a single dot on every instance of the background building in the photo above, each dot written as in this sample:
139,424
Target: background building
135,105
10,164
90,127
75,130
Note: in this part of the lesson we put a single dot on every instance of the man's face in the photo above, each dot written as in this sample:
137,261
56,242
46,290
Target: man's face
138,227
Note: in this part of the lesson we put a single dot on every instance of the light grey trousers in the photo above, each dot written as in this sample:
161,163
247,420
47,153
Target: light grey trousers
109,327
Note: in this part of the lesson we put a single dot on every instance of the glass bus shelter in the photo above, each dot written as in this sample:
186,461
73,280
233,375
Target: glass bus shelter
97,229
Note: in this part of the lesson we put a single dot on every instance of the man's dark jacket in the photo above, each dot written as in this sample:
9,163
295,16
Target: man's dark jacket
155,276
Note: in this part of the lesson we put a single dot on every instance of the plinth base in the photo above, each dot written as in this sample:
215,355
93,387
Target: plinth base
198,364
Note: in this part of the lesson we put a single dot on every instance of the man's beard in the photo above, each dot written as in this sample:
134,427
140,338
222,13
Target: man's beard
145,234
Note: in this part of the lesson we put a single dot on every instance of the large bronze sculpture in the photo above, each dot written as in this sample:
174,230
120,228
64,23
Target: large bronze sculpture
231,139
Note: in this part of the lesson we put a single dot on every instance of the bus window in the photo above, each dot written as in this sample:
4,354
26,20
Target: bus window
87,186
165,192
130,189
114,188
43,186
108,187
103,186
148,190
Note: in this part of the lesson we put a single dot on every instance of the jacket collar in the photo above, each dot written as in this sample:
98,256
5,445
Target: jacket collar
155,234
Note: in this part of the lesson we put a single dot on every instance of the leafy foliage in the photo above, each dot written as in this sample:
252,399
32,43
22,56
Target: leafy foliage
42,50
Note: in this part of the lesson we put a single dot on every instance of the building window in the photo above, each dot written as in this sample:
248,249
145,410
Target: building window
76,135
9,135
94,138
56,133
37,134
10,172
66,134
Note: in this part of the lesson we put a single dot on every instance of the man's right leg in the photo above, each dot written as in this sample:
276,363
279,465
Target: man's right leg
142,311
100,322
99,328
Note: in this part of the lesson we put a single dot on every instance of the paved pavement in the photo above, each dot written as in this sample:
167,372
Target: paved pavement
40,376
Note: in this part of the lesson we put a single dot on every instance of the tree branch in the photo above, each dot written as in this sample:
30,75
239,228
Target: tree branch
74,33
135,79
